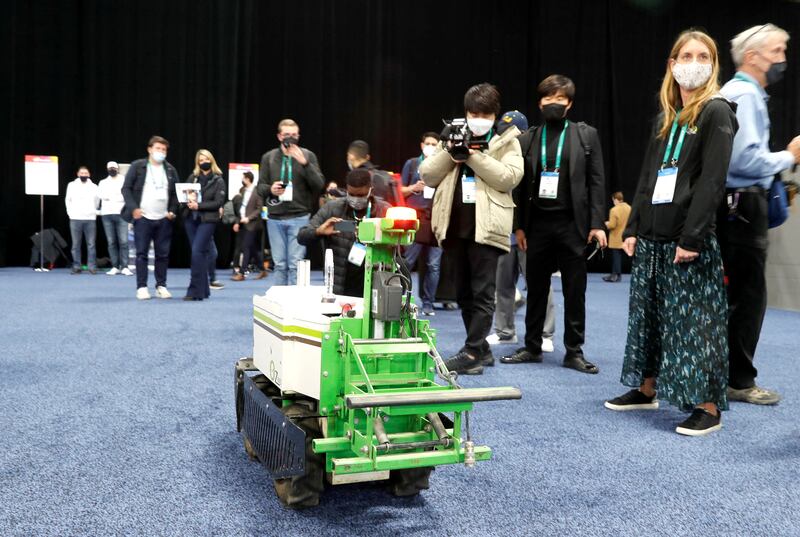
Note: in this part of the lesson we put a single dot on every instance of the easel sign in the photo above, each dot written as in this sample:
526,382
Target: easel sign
41,175
235,172
41,179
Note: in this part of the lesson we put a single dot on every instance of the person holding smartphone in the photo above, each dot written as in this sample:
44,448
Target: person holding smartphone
336,223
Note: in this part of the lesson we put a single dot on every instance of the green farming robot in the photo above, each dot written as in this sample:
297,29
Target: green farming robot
343,389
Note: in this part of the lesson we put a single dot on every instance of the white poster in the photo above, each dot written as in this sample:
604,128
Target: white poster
235,171
41,175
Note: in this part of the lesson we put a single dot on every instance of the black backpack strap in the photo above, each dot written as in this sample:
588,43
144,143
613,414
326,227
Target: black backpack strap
583,128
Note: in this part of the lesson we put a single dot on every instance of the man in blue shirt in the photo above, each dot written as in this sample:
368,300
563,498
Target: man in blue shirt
420,196
760,57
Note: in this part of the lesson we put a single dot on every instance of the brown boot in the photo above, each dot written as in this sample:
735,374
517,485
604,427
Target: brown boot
261,275
238,277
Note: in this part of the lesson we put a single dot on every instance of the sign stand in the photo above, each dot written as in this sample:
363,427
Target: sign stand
41,177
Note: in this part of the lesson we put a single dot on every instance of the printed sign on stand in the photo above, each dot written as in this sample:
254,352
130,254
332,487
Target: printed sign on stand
235,172
41,175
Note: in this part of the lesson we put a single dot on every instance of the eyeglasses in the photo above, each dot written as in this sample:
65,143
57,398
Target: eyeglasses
749,37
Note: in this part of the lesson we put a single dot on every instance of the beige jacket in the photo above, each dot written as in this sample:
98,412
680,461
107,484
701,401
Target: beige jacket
617,221
497,171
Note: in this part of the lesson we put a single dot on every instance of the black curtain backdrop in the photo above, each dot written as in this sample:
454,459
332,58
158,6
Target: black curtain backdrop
91,80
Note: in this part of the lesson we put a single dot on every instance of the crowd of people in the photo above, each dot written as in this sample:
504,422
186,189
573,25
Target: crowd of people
533,202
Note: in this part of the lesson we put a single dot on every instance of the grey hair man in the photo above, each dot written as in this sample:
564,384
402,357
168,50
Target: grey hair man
760,57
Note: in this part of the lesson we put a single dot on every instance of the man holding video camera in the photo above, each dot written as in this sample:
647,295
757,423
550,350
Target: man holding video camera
290,182
336,223
474,171
560,210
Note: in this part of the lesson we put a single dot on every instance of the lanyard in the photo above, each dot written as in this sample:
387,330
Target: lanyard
158,184
286,163
560,146
743,78
678,146
369,210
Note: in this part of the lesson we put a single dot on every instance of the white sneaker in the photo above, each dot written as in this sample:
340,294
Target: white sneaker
126,272
113,272
142,293
161,292
547,344
494,339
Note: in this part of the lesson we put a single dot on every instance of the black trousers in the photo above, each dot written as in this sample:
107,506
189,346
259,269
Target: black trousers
475,285
744,256
554,243
251,248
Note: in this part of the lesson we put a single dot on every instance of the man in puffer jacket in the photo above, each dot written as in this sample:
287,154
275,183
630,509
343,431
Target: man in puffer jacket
472,217
348,278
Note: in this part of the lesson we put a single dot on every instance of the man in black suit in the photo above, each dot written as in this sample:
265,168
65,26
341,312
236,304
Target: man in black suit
560,209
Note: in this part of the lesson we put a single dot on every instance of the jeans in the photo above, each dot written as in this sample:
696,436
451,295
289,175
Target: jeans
616,261
160,232
509,267
201,238
286,251
80,229
117,235
211,258
432,256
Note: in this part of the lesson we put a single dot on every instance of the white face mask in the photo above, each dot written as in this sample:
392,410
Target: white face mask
691,76
479,126
428,150
158,156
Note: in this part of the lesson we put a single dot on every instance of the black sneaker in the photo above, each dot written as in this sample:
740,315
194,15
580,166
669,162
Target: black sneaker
633,400
216,284
699,423
464,363
487,360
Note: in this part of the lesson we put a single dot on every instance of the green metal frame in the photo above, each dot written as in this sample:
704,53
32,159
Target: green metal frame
355,363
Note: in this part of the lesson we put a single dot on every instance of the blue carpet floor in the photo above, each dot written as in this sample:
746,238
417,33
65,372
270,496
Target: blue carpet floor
117,418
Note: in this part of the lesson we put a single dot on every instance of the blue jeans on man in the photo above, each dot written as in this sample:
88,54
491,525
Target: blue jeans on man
80,229
201,238
286,251
160,233
432,257
117,235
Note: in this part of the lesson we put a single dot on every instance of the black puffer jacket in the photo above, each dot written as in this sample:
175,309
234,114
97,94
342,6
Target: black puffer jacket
340,243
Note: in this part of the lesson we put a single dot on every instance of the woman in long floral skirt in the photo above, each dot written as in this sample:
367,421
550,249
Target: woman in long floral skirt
677,343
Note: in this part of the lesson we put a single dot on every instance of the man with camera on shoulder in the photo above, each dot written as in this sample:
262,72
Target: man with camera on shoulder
290,182
336,223
474,171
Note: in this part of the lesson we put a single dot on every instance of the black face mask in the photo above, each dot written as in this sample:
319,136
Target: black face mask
112,172
83,178
205,166
554,111
775,72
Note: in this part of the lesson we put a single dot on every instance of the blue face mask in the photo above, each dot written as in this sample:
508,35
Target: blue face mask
158,156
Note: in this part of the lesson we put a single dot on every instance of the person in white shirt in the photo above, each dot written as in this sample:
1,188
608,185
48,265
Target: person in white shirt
111,203
81,201
150,204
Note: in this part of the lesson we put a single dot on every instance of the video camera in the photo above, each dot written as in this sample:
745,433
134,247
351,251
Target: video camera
461,138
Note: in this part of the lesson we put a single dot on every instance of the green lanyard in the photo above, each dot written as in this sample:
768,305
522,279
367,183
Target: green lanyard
369,210
286,163
678,146
560,146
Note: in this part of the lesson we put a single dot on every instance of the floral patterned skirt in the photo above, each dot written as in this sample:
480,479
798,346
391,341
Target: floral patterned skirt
677,325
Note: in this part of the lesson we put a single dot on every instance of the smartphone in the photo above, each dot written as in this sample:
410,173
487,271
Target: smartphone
345,226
